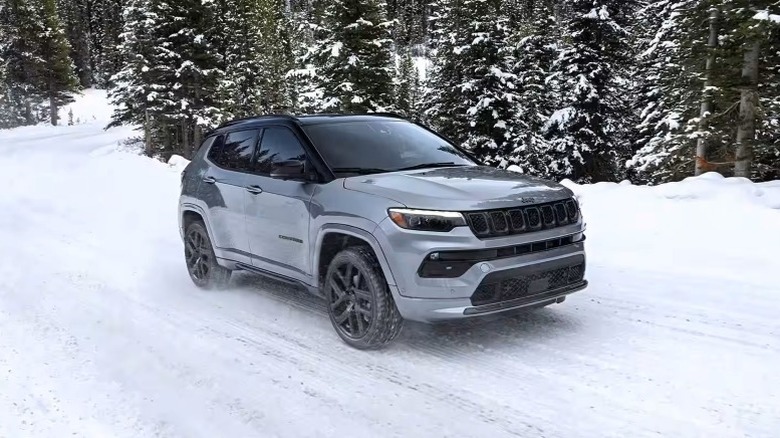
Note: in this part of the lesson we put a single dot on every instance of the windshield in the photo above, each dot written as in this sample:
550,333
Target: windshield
379,146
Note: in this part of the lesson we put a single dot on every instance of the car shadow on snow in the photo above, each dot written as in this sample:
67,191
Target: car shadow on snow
495,331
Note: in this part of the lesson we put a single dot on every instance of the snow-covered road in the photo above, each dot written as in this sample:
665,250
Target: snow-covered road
102,333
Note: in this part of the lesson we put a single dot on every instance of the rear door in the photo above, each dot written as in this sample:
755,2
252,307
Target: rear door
277,211
224,191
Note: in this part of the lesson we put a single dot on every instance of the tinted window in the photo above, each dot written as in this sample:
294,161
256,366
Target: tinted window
216,149
237,151
381,145
277,145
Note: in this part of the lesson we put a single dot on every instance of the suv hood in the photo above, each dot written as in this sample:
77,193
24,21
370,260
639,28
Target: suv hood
459,188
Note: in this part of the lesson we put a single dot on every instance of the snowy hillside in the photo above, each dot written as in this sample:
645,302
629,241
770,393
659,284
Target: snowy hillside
103,334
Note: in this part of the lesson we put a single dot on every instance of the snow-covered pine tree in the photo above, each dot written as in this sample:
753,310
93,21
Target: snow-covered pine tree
766,165
474,94
169,84
106,22
408,89
74,15
134,84
353,57
54,73
444,108
587,129
535,44
302,80
675,58
746,41
20,25
257,55
9,116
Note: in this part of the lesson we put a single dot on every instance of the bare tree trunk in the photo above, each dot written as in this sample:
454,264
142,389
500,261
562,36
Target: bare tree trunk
184,145
746,134
197,139
706,102
53,111
148,134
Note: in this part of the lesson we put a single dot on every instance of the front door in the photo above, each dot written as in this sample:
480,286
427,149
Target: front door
277,211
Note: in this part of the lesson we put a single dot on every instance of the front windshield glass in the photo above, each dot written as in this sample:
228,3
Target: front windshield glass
379,146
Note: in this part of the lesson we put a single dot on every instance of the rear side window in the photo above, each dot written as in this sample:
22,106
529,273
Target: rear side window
278,145
216,149
237,150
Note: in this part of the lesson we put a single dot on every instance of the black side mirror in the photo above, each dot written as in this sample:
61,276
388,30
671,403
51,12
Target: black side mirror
293,169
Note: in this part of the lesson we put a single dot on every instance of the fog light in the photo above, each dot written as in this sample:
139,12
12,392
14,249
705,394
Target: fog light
578,237
485,268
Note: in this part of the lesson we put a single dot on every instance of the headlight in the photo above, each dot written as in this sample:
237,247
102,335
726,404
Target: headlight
424,220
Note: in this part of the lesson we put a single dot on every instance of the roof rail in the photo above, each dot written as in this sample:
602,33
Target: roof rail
260,117
388,114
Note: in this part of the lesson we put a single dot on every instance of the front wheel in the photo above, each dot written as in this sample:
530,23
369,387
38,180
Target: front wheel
360,304
201,261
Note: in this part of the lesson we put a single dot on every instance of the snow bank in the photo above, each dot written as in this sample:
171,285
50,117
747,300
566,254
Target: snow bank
178,162
710,187
700,225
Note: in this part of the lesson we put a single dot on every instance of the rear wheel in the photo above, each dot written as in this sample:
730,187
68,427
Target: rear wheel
201,261
360,304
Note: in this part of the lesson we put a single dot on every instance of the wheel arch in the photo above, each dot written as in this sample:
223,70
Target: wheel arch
333,238
189,213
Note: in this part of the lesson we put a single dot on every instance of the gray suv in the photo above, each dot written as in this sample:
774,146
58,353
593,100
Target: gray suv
385,219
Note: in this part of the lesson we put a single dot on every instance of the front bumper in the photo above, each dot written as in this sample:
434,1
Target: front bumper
436,299
432,310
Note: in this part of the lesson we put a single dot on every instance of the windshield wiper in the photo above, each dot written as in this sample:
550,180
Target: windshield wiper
431,166
359,170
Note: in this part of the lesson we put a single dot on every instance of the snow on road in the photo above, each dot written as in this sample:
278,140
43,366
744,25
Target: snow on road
103,334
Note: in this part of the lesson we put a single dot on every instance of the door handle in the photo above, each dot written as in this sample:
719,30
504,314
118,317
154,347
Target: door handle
210,180
255,190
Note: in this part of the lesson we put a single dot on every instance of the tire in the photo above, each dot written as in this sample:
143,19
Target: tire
200,259
360,305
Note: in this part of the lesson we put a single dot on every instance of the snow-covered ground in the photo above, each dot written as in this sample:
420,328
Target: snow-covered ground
102,333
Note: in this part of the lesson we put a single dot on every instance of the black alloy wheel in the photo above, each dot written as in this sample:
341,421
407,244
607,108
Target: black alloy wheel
201,261
360,304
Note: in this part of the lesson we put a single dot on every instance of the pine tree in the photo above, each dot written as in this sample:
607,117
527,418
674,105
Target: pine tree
675,60
106,22
353,57
535,51
444,107
74,15
474,96
133,83
55,71
170,82
257,56
20,25
408,89
586,129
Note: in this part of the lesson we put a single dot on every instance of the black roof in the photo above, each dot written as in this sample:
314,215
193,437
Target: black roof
313,119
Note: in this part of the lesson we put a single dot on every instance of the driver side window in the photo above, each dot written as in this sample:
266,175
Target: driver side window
278,145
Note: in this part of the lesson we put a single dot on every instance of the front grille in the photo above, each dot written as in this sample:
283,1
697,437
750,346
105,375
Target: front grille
495,223
524,286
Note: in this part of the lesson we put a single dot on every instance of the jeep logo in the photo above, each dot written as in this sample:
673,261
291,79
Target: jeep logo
528,200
